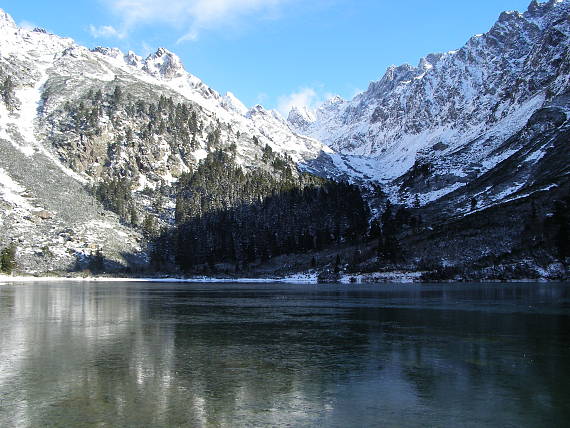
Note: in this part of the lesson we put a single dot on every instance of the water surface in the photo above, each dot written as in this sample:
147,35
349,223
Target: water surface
231,355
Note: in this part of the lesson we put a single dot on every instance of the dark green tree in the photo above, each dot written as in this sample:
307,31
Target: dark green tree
8,259
117,97
8,92
96,262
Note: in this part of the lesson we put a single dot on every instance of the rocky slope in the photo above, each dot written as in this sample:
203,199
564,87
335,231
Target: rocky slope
78,117
451,116
474,144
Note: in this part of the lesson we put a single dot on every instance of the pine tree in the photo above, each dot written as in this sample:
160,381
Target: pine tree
149,225
134,217
8,259
8,92
97,262
117,96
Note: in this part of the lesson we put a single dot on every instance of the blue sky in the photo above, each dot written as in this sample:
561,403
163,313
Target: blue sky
273,52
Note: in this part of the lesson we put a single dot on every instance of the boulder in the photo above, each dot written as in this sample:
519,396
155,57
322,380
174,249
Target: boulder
44,214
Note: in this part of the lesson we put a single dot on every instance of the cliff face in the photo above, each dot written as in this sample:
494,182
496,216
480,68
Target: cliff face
455,111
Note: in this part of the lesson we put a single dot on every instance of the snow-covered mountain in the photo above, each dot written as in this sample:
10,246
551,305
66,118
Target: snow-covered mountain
47,58
79,116
451,115
462,133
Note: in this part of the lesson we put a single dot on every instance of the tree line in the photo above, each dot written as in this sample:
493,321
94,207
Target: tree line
226,215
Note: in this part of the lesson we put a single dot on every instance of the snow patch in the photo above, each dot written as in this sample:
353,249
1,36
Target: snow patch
11,192
232,103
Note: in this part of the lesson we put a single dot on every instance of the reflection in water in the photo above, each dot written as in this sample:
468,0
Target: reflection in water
254,355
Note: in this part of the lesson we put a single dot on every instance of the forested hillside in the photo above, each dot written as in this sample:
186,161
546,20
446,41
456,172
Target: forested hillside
227,215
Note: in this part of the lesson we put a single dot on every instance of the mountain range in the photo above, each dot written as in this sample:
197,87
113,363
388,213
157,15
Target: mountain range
462,160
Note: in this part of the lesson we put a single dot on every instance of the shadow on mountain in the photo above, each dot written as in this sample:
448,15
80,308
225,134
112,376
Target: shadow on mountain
98,263
233,239
526,237
322,166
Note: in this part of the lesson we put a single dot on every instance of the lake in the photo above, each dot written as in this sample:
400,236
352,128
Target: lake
255,355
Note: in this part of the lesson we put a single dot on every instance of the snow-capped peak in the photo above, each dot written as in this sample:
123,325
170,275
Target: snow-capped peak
334,100
300,117
481,93
429,61
164,64
255,110
133,59
536,7
542,14
6,21
110,52
231,102
260,112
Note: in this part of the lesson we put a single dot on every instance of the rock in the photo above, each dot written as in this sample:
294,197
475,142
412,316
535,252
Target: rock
328,277
44,214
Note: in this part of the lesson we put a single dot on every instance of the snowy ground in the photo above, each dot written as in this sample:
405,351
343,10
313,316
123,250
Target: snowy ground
301,278
294,279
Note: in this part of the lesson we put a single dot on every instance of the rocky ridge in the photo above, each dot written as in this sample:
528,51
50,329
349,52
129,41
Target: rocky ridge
453,112
79,117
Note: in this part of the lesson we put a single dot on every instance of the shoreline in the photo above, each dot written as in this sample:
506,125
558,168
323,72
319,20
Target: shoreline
305,279
309,278
396,277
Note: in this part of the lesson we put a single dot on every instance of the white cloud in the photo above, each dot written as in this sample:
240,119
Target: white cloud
189,17
106,31
306,97
26,25
147,49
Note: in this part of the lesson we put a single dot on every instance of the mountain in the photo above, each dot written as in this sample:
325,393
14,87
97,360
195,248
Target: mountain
455,111
474,142
94,141
457,168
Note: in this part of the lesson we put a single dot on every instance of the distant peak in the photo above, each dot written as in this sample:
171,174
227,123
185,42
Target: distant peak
257,109
231,102
429,61
6,20
509,16
393,76
160,52
329,103
301,117
536,8
133,59
335,99
111,52
164,64
303,111
395,72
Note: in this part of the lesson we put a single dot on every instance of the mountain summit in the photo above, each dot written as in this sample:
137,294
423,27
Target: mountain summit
455,108
164,64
